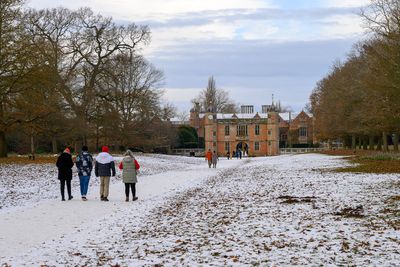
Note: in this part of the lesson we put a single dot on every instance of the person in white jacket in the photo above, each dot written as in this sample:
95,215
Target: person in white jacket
105,168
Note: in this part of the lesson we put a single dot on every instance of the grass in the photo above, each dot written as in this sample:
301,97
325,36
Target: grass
369,161
13,159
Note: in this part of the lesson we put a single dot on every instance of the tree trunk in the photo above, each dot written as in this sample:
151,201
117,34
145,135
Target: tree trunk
353,141
3,144
32,156
385,142
54,145
371,142
379,145
365,142
396,142
360,141
75,146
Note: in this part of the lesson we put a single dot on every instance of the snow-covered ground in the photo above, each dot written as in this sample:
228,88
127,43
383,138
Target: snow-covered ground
278,211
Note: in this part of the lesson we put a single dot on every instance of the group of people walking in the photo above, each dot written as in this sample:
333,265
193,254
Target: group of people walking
212,158
104,167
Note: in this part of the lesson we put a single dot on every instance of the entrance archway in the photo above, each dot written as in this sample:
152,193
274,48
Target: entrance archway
244,147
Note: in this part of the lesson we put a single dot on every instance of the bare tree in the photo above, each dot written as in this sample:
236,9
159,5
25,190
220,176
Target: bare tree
215,100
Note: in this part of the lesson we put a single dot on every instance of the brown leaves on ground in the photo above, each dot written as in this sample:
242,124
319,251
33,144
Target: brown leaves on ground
294,200
348,212
391,213
26,160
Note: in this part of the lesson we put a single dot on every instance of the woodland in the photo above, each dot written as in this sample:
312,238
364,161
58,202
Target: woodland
72,77
358,102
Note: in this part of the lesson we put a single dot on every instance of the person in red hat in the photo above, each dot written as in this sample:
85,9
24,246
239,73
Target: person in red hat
104,168
64,165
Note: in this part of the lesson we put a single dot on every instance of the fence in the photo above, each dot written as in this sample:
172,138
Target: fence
198,152
301,150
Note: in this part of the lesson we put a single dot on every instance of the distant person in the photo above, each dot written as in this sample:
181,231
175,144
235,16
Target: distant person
130,168
209,155
240,154
237,154
64,165
214,159
84,164
105,168
228,155
233,154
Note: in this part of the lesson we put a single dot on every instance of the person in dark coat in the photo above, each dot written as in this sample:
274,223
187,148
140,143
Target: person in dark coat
84,164
64,165
104,168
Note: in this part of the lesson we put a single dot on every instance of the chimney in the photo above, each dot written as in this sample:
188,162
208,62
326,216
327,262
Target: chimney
247,109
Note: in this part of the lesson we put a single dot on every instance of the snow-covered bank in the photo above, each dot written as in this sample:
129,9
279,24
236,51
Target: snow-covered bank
22,185
37,222
282,211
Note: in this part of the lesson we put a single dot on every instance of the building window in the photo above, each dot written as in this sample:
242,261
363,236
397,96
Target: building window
257,130
227,147
303,132
269,143
242,130
214,133
256,146
269,132
227,130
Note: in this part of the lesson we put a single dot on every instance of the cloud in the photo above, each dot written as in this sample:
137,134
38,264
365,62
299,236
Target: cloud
347,3
254,48
158,10
251,71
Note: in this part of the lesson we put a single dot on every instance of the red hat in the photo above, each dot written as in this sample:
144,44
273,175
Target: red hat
67,150
104,149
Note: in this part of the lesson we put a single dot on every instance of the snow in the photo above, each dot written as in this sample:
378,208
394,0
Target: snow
278,211
224,116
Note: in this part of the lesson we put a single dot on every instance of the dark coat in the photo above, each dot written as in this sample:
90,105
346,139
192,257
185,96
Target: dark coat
84,163
64,165
105,165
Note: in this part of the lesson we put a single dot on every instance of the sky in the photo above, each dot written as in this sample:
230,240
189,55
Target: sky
253,48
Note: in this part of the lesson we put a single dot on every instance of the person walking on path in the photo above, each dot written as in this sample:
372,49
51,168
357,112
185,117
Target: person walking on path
214,159
64,165
84,164
209,158
130,166
105,168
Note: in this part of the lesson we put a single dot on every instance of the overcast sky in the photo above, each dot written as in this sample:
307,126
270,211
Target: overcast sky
253,48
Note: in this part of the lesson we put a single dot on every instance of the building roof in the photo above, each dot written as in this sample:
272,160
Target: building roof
223,116
293,115
177,121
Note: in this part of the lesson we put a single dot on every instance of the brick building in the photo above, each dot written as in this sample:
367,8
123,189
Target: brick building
296,129
255,134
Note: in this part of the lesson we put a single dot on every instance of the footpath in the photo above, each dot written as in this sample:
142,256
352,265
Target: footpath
23,229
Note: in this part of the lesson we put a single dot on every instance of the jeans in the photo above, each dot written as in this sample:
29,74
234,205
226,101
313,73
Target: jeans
84,183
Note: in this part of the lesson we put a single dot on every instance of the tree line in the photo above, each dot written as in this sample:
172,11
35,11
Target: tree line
72,77
358,102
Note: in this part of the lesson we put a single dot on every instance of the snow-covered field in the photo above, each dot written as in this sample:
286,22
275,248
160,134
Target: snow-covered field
278,211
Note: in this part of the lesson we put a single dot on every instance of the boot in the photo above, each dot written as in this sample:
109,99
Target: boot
127,199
